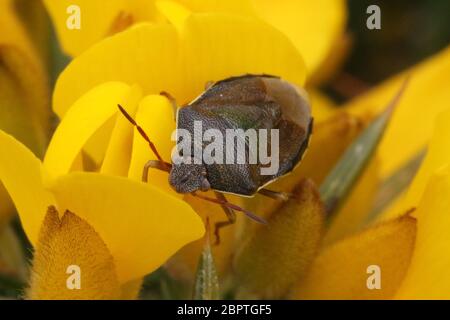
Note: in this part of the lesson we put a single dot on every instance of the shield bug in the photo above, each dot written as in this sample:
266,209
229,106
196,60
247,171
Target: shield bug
262,103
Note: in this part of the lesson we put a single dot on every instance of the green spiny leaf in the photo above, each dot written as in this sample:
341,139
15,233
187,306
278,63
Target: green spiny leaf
342,178
207,281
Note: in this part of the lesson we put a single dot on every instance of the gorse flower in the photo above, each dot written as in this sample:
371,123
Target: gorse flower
85,205
108,221
134,225
291,17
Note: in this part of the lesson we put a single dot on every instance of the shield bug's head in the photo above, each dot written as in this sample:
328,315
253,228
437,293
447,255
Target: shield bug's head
188,177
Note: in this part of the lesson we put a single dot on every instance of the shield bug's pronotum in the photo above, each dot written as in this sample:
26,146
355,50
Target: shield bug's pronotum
250,102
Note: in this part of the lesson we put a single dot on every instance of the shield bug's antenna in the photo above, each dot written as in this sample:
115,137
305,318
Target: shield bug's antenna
145,136
173,102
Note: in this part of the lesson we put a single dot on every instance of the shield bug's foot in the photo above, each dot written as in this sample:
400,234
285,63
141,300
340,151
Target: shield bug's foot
229,211
231,215
154,164
282,196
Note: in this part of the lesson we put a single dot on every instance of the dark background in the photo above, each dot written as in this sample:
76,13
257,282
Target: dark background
411,30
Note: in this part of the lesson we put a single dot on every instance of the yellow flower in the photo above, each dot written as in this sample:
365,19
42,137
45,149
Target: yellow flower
135,225
410,249
24,90
180,59
409,243
132,227
302,254
315,27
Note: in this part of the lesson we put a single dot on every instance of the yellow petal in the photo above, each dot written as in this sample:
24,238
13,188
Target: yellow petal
21,173
438,155
211,54
331,65
428,276
323,108
279,254
95,147
156,116
16,32
412,121
341,270
97,20
141,225
181,64
149,63
242,7
6,207
313,26
80,123
175,12
118,153
69,248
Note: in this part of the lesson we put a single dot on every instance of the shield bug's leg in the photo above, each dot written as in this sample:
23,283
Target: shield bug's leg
154,164
145,136
249,214
282,196
172,101
231,215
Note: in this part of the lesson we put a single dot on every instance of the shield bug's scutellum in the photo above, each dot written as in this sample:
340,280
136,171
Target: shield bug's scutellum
259,102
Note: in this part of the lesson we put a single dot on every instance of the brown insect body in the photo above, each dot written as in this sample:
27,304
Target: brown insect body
245,102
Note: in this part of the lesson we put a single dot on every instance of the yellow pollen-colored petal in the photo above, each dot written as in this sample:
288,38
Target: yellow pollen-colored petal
159,59
71,262
174,12
156,116
240,7
438,156
97,20
21,173
428,276
276,256
369,265
313,26
141,225
118,153
80,123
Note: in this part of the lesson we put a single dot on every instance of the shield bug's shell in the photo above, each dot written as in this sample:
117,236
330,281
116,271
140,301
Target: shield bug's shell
251,102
